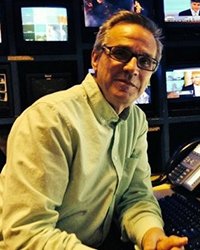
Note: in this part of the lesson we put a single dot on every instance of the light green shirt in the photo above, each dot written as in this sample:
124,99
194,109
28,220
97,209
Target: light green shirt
72,165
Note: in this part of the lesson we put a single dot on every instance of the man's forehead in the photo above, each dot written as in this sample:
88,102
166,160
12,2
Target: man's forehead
130,34
129,31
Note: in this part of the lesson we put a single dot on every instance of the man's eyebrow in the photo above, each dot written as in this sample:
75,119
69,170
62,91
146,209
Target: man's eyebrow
138,52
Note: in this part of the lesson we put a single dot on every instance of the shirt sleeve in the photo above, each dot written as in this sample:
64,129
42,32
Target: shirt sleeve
138,208
35,179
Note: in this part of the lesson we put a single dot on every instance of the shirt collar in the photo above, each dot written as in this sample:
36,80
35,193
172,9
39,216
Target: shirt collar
101,108
194,13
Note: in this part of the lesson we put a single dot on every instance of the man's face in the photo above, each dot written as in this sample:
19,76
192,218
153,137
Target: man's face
122,83
196,78
195,6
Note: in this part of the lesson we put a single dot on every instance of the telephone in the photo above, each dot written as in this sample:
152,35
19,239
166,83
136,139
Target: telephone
187,172
183,168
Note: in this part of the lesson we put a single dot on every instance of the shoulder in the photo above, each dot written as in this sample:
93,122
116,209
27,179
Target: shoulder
56,106
189,87
185,13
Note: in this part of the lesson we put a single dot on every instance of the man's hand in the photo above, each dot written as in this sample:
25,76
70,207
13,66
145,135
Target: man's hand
155,239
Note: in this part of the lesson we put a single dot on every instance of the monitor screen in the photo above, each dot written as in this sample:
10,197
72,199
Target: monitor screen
183,83
183,90
39,84
37,79
97,11
44,27
180,11
44,23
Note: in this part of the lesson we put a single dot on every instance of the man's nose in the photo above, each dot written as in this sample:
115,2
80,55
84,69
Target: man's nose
132,66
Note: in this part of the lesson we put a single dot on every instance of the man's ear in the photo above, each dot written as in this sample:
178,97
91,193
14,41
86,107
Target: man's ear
94,60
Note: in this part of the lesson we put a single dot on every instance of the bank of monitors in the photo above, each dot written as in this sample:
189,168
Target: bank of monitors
44,27
183,89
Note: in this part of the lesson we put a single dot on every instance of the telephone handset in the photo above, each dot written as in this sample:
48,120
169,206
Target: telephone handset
187,171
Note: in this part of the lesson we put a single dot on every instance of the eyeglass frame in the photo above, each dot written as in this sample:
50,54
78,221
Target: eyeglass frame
108,50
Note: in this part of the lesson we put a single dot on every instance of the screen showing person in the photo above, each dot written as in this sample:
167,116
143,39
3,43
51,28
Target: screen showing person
193,10
182,11
44,23
194,86
183,83
97,11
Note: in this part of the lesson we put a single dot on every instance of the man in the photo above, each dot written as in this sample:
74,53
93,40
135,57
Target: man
76,159
193,11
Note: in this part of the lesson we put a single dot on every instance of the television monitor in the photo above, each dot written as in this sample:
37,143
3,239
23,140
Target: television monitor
177,26
37,79
173,12
39,84
44,24
95,12
44,27
183,89
6,101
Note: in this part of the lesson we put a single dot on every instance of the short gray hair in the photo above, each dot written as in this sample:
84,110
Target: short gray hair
125,16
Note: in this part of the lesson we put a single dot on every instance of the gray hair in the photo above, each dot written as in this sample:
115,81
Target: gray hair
125,16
